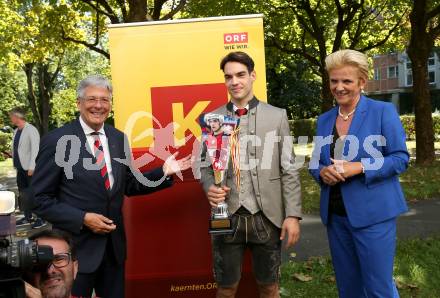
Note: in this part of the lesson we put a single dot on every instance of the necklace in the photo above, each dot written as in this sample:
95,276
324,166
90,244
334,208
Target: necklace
345,117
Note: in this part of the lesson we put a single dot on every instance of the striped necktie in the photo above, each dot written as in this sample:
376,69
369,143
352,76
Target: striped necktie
98,150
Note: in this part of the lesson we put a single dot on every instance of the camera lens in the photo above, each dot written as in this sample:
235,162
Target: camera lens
26,254
44,255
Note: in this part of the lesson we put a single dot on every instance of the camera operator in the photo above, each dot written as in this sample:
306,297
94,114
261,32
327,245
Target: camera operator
56,280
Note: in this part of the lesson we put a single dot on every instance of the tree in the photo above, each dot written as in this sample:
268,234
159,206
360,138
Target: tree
290,84
312,29
117,12
33,43
320,28
12,92
425,31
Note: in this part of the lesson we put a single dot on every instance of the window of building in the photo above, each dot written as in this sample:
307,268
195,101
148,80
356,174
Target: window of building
431,77
408,64
376,74
409,77
431,59
393,72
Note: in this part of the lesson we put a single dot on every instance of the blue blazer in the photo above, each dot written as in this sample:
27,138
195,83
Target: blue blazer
375,196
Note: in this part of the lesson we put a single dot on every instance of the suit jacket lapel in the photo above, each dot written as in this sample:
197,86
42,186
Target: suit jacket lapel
114,153
256,128
85,148
358,117
87,152
328,131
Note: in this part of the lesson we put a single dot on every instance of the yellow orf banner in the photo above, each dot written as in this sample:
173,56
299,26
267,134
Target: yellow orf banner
165,74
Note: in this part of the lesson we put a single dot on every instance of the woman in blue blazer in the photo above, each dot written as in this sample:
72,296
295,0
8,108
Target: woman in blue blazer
359,153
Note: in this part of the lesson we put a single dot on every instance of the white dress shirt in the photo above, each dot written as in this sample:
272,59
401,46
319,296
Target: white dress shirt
235,108
91,141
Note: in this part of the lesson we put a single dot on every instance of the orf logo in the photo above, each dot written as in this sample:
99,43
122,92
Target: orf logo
230,38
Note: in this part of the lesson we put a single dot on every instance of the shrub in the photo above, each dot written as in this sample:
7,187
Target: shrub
5,144
409,126
408,122
303,127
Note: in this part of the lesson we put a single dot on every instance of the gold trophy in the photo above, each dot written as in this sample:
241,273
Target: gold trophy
220,222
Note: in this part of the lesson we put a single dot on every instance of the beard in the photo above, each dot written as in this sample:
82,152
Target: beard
57,292
61,290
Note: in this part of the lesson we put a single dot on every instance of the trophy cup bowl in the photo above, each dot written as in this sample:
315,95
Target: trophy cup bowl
220,222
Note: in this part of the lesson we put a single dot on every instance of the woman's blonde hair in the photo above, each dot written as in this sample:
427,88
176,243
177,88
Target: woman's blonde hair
343,58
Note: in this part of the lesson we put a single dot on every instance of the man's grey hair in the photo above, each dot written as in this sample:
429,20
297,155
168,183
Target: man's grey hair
18,112
95,81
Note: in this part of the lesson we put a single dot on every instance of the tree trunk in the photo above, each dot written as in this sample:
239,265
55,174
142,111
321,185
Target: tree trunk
46,94
31,97
425,153
40,93
137,11
419,49
326,94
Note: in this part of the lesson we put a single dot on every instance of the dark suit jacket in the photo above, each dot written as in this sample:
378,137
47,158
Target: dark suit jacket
64,202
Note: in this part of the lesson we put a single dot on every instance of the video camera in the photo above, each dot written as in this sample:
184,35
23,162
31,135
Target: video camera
17,257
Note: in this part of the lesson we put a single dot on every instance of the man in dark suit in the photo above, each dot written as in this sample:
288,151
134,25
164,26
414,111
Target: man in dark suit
82,174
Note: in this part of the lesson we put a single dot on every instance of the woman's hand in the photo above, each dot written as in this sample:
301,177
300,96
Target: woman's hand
330,175
347,168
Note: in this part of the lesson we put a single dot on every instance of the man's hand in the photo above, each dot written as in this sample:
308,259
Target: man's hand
30,172
347,168
290,229
98,223
31,292
216,194
173,166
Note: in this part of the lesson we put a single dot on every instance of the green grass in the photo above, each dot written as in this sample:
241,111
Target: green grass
417,272
319,272
418,183
421,183
310,192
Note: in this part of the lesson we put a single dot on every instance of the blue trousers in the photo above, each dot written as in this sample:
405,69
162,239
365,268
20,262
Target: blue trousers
363,258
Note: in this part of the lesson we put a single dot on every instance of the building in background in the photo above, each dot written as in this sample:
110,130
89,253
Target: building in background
392,80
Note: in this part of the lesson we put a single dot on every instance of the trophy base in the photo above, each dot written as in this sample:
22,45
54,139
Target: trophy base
220,226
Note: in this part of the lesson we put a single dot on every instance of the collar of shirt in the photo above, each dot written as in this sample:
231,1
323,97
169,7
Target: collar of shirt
234,107
88,130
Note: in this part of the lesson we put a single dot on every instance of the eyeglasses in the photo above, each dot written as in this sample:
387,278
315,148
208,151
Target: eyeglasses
94,100
61,260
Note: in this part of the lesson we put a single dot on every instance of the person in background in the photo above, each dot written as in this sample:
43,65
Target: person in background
360,197
25,143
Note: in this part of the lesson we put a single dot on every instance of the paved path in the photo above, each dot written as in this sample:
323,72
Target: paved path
422,220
